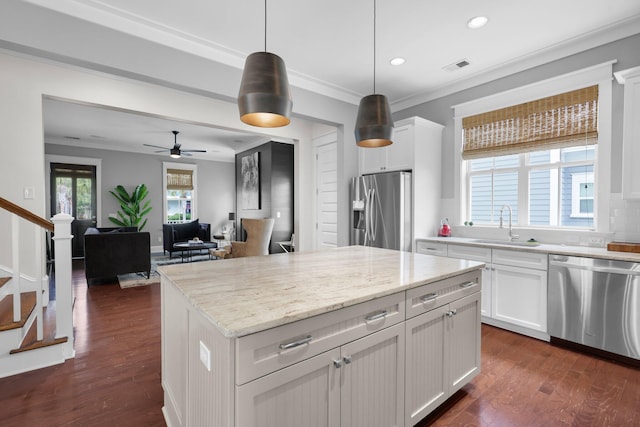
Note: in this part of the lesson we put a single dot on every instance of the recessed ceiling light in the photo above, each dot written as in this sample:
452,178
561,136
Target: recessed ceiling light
397,61
477,22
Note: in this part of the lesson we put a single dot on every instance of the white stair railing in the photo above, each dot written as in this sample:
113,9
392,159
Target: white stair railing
64,289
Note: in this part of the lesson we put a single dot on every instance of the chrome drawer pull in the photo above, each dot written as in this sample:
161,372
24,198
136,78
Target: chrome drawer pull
429,297
467,285
297,343
380,315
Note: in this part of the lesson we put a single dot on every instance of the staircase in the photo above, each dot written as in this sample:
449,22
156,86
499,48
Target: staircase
34,332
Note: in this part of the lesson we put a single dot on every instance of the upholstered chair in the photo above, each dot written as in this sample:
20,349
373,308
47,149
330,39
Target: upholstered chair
257,243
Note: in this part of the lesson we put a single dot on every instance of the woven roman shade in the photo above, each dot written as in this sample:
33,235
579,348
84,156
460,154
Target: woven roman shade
179,179
558,121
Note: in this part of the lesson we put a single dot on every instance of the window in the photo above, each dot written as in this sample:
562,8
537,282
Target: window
555,187
179,193
537,157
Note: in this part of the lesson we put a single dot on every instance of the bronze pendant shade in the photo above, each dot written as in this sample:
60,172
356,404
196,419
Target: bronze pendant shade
264,99
374,124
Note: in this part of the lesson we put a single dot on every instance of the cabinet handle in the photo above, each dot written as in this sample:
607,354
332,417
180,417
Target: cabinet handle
380,315
429,297
451,313
347,360
467,285
297,343
337,363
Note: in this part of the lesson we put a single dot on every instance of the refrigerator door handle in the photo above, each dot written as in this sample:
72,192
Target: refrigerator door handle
373,219
366,217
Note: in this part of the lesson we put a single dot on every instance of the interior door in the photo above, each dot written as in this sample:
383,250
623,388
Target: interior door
73,191
326,196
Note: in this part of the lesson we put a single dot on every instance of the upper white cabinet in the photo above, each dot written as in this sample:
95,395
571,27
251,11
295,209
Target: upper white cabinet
630,78
417,146
394,157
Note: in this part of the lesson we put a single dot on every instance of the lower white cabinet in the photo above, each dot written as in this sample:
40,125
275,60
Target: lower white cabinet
520,296
358,384
514,285
443,354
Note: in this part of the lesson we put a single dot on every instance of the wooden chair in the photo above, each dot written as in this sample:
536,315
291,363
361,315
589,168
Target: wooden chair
257,243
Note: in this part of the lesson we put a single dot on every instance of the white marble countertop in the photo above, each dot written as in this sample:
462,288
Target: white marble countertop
247,295
584,251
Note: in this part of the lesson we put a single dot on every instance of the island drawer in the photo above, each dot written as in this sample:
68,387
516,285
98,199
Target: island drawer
426,298
268,351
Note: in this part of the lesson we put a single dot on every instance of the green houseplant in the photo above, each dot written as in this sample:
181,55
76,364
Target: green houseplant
133,210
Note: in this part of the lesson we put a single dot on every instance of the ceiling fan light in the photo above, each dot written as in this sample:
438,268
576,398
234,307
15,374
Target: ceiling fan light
264,99
374,125
175,153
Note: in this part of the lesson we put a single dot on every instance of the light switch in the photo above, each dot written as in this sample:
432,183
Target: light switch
205,356
278,214
29,193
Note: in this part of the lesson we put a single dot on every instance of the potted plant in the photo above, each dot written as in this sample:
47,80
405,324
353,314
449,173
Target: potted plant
133,210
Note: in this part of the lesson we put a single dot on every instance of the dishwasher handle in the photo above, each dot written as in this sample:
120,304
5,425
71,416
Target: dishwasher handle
563,261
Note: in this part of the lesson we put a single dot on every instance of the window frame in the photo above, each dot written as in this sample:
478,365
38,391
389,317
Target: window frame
194,203
602,75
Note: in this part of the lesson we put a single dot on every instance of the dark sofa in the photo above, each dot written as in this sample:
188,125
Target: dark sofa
112,251
176,233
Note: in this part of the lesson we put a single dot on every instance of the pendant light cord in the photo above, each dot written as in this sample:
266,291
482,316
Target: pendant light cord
265,25
374,46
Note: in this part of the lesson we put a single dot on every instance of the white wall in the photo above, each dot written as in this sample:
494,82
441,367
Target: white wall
24,81
627,55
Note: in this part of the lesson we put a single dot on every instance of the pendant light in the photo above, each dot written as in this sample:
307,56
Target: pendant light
373,123
264,99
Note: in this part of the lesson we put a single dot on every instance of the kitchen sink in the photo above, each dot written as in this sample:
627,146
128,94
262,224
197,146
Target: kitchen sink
507,242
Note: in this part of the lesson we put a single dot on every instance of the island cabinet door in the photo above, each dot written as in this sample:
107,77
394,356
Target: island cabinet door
304,394
426,379
372,391
463,336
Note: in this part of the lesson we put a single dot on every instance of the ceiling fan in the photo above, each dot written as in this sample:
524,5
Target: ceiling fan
175,151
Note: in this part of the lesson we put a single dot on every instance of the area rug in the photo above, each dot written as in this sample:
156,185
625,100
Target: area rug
177,259
138,279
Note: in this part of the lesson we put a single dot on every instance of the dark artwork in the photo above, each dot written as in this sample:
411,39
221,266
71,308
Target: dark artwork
251,181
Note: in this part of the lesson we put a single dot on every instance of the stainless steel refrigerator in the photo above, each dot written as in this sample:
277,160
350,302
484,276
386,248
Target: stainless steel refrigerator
381,210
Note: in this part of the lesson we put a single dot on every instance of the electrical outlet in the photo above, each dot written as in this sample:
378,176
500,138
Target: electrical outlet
595,241
159,239
205,356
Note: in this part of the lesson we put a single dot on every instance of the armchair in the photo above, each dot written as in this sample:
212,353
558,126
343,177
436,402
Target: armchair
257,243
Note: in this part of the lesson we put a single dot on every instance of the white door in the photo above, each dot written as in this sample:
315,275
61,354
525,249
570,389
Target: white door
464,341
520,296
372,391
426,379
327,194
304,394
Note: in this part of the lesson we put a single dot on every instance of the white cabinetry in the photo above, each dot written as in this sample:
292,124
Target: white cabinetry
358,384
514,285
519,293
443,343
397,156
348,367
631,132
417,146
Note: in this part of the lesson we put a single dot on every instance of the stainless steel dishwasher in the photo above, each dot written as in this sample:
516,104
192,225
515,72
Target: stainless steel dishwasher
595,302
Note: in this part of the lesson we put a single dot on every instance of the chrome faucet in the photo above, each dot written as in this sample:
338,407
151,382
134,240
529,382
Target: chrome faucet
511,235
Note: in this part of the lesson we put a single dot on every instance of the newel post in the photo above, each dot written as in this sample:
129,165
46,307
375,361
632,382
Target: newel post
64,290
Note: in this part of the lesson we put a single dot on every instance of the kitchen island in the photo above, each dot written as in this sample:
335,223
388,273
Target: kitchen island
348,336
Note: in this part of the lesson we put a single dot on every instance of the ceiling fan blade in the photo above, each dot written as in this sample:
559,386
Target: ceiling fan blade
155,146
184,153
194,151
162,151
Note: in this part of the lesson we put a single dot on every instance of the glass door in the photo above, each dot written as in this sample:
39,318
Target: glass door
73,191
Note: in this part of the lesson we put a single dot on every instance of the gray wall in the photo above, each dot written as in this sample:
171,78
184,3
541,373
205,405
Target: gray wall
439,110
215,180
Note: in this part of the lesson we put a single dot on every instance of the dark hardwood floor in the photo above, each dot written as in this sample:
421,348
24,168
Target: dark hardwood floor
115,378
